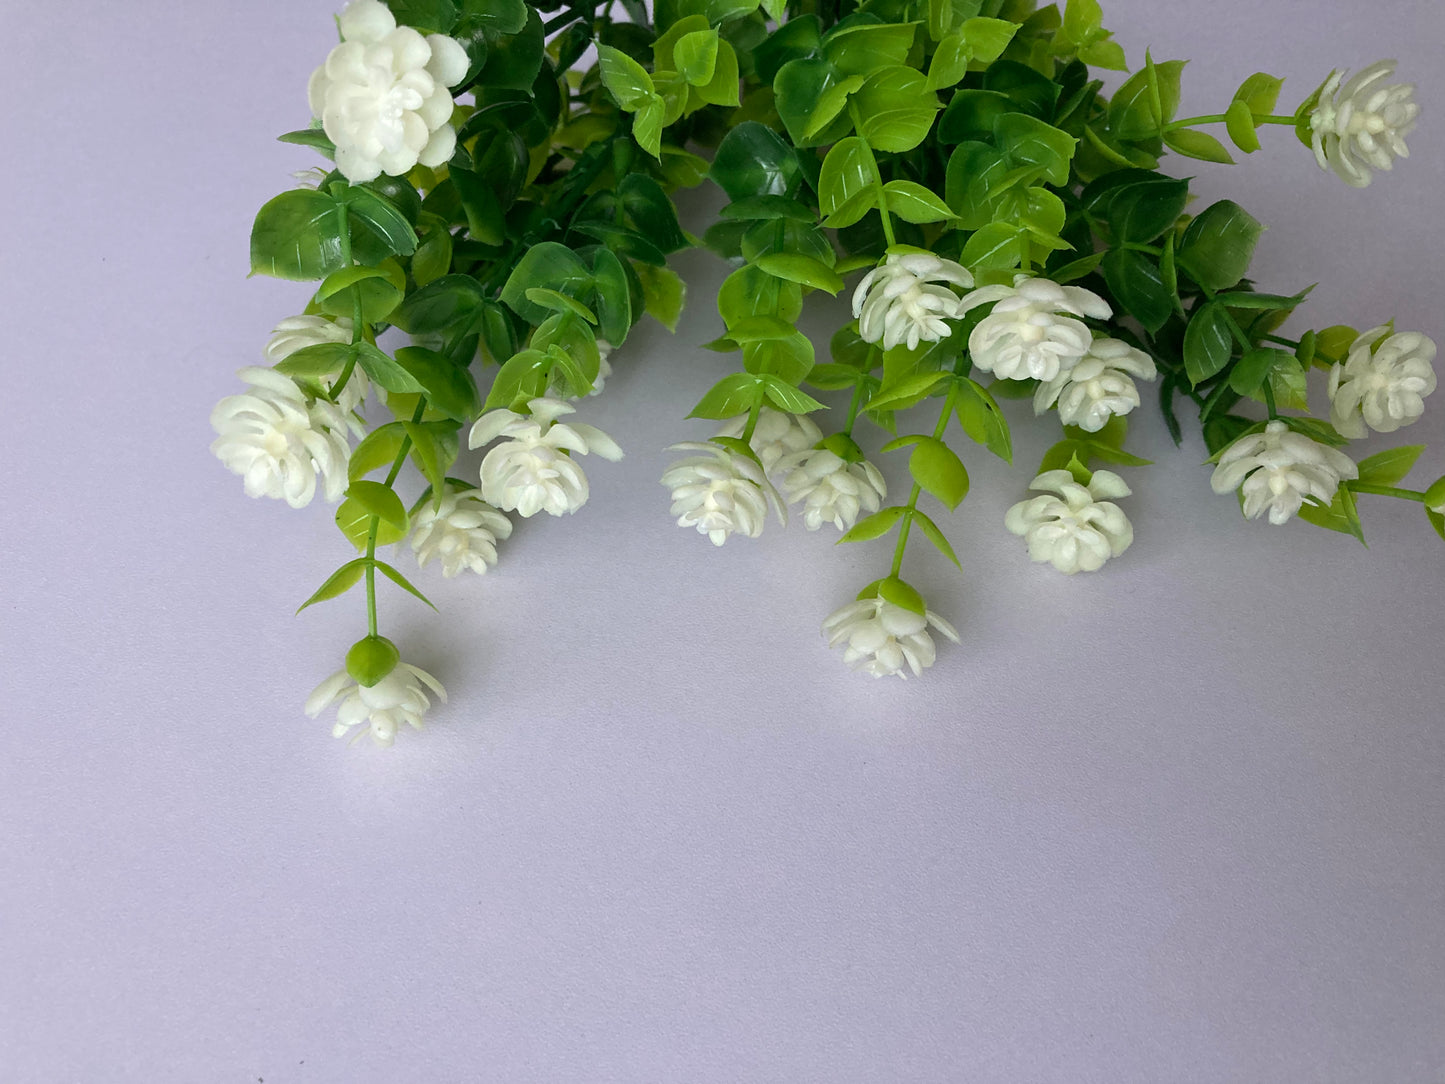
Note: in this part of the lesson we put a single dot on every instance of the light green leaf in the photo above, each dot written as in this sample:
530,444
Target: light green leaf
804,269
338,583
912,202
1196,144
663,293
627,80
384,371
995,247
377,449
788,397
1390,466
379,500
297,235
354,520
982,419
896,109
734,394
559,302
904,393
940,472
1259,92
401,581
370,659
849,170
696,56
449,388
933,534
874,526
1239,122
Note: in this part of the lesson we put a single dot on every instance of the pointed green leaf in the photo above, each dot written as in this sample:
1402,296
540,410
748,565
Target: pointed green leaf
940,472
933,534
401,581
874,526
338,583
1390,466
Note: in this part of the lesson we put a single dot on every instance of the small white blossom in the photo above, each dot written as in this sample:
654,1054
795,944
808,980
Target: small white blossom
899,302
382,94
279,442
720,492
298,332
534,471
882,638
1072,526
1279,469
832,489
462,532
398,698
777,434
1382,383
1098,387
1362,127
1032,332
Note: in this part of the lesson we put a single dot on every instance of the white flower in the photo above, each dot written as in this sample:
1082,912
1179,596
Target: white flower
397,698
1382,382
1077,530
1363,126
832,489
278,441
777,434
898,302
881,637
382,94
1098,386
462,531
1279,468
719,492
534,471
298,332
1031,331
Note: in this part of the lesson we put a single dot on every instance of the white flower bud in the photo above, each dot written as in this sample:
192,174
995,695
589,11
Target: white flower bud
534,471
777,434
1362,126
1077,530
720,492
399,697
298,332
462,532
898,302
832,489
1382,382
1031,331
1098,387
1279,468
882,638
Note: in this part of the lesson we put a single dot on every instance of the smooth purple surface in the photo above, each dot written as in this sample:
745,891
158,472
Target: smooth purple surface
1179,820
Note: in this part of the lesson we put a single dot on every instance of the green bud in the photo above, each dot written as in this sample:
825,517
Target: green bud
371,659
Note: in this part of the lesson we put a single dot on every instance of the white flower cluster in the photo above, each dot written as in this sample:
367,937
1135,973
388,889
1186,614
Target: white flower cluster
720,492
382,95
881,638
398,698
461,532
777,434
1098,386
534,471
1361,126
279,441
1032,330
1279,468
831,489
1073,527
1382,383
298,332
900,301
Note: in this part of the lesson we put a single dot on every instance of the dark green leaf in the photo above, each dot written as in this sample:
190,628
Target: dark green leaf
1138,286
1208,343
449,388
1218,245
297,235
753,160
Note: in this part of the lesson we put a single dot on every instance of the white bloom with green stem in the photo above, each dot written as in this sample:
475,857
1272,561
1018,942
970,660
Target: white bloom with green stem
1382,383
298,332
1099,386
534,470
399,698
1074,527
280,441
720,492
1276,469
884,639
906,299
831,489
1360,127
1033,330
776,434
461,531
382,96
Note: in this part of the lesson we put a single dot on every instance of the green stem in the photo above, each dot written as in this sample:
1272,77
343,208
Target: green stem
907,525
1386,491
375,524
757,409
1281,340
1269,401
1219,118
878,182
856,403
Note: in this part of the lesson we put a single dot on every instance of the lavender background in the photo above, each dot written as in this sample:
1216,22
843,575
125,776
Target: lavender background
1180,820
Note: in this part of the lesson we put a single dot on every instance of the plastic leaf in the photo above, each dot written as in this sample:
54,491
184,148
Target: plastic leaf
338,583
874,526
1390,466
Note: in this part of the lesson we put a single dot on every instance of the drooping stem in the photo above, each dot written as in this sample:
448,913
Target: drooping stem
1386,491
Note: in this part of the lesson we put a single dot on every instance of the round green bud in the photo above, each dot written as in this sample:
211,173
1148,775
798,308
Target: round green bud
371,659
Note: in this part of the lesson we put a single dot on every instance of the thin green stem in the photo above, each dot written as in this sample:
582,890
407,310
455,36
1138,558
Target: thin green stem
1386,491
1219,118
752,424
375,525
907,519
855,404
1281,340
1269,400
878,182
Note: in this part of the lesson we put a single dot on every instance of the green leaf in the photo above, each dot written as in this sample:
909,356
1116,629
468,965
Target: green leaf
379,290
429,456
1196,144
1218,245
1137,284
379,500
311,137
514,61
382,370
383,218
734,394
750,291
548,266
663,293
1259,92
377,449
933,534
648,124
874,526
1437,521
978,176
449,388
982,419
1341,515
1239,122
1139,213
297,235
696,56
940,472
1390,466
906,392
613,296
803,101
370,659
625,79
789,358
1026,140
338,583
559,302
912,202
428,16
1208,343
651,211
896,109
433,257
723,87
315,362
1147,101
995,247
1251,371
401,581
753,160
767,208
863,48
803,269
788,397
354,520
892,589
